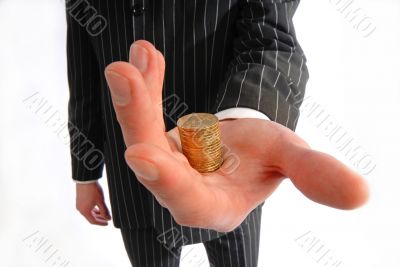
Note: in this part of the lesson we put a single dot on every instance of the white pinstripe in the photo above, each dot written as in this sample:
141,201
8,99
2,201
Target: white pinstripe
259,91
226,87
277,104
205,58
291,54
254,217
244,241
225,36
174,55
277,79
301,70
230,254
287,18
241,85
194,55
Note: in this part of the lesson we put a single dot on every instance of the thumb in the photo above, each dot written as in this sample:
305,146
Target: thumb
324,179
132,104
104,212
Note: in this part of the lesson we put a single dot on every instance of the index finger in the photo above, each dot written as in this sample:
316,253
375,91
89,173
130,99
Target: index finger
133,106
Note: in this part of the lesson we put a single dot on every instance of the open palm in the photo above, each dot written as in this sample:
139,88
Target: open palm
259,154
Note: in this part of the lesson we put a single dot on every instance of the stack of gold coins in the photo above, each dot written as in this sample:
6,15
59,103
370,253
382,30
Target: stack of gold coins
201,141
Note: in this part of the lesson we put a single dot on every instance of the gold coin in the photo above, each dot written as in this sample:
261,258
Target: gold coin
196,121
201,141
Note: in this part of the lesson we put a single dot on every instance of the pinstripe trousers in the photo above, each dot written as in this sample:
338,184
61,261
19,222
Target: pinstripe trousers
238,248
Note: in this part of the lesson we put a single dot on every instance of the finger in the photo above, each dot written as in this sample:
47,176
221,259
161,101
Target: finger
142,53
325,180
172,183
98,217
92,219
103,210
146,57
161,65
161,73
132,104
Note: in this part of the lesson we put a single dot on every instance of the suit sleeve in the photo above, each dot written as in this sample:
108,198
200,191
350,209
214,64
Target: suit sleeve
84,106
268,72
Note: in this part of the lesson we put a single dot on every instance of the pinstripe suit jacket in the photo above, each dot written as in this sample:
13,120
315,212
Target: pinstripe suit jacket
219,54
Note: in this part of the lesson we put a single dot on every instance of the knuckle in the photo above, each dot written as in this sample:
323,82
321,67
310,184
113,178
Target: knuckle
79,207
84,210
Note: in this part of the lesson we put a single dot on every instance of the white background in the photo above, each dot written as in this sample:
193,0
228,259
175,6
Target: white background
354,79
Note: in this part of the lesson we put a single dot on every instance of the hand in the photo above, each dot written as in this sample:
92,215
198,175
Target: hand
267,151
90,203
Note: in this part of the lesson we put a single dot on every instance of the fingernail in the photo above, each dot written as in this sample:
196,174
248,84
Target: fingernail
144,169
139,57
119,88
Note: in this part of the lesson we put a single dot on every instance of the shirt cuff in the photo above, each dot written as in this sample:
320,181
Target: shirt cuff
241,113
85,182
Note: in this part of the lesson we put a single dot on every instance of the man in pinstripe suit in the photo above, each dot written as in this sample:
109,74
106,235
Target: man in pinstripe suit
238,59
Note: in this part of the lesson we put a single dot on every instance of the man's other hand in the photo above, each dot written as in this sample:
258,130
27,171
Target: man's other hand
90,203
